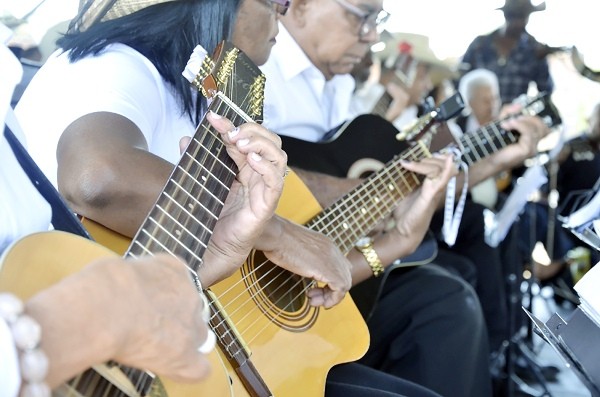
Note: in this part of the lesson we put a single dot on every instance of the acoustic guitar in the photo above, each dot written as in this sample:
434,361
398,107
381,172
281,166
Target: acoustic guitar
40,260
370,146
272,341
180,223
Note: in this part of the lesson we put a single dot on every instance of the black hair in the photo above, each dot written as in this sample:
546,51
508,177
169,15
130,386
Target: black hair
166,34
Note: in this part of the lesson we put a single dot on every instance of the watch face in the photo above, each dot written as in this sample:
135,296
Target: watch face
363,242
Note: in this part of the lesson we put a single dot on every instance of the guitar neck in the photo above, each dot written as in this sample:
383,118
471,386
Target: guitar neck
485,141
182,220
359,211
383,104
492,137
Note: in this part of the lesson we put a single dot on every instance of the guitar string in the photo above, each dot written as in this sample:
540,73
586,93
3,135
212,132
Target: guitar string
300,281
367,186
143,376
276,303
482,144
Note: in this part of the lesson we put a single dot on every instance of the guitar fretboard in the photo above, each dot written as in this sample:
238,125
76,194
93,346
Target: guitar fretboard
365,206
492,137
183,218
180,223
485,141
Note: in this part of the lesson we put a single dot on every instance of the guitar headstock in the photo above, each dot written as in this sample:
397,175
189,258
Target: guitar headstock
446,110
231,72
541,106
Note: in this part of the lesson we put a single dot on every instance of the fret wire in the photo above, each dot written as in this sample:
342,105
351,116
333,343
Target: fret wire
203,167
481,143
99,386
467,156
193,235
490,139
190,215
324,222
209,153
498,131
336,210
225,163
473,148
196,200
176,241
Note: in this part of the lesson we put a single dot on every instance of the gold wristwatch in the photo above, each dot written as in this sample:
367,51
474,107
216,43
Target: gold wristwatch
365,246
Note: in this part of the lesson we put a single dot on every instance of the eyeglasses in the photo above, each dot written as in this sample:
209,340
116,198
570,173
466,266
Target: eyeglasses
281,6
369,21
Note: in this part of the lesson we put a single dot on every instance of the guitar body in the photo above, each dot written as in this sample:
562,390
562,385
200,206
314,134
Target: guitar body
293,346
364,147
367,142
43,259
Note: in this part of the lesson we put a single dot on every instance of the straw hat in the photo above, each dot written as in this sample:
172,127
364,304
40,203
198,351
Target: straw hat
521,7
417,45
92,11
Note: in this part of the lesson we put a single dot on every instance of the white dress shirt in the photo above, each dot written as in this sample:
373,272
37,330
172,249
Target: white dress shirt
299,101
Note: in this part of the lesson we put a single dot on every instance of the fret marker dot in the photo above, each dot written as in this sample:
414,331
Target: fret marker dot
345,225
204,178
391,187
178,233
364,211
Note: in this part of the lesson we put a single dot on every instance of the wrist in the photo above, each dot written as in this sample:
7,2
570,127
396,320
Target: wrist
272,233
366,248
26,334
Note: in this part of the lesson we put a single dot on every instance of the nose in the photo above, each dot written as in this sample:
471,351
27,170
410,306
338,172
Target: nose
372,37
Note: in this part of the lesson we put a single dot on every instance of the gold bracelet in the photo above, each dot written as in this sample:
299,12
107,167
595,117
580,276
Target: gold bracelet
365,246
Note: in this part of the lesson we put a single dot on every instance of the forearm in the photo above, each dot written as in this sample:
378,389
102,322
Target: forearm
70,326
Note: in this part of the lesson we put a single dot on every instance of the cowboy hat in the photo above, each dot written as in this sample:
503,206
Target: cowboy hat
521,7
92,11
417,45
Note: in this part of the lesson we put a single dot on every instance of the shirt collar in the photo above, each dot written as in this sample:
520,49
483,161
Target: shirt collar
292,60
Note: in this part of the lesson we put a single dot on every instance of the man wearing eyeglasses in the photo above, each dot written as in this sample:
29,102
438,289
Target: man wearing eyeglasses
428,326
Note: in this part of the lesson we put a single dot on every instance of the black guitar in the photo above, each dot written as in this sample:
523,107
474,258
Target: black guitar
381,142
371,140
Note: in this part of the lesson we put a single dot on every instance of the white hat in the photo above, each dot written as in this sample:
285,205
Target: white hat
417,45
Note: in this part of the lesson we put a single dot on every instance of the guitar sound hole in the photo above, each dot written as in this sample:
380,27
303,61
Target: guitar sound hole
283,289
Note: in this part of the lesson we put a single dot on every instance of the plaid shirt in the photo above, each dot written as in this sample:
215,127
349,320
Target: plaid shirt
514,73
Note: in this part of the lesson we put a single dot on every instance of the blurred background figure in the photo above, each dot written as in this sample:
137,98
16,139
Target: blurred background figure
511,52
481,93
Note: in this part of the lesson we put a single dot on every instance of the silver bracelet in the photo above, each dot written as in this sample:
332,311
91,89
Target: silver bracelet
27,334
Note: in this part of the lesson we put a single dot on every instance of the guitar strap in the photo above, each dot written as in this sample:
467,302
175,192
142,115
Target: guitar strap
63,218
452,215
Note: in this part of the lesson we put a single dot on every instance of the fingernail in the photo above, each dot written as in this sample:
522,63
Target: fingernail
233,132
405,162
243,142
256,156
214,115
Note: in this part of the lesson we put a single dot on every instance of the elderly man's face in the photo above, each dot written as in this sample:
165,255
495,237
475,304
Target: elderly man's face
329,33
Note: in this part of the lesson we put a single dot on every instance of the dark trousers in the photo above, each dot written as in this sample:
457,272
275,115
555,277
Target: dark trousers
428,328
356,380
483,268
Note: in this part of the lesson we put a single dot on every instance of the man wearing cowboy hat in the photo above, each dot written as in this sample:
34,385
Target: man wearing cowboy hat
512,53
